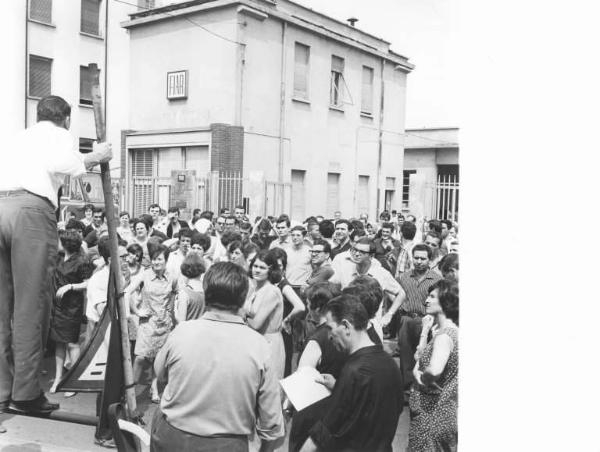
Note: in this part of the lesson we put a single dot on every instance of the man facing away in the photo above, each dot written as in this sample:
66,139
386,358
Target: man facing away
220,383
30,178
366,400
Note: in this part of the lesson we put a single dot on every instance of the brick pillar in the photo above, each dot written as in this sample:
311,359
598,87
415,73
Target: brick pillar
227,157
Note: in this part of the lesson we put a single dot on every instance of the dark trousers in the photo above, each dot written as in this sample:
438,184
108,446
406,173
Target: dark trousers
165,437
28,247
409,333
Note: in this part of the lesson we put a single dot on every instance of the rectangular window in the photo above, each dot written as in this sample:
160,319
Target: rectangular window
86,145
85,86
363,194
41,10
406,187
90,17
143,5
333,193
40,76
142,172
366,104
301,58
337,80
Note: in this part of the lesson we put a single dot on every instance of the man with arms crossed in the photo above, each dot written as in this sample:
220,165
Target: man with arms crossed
30,178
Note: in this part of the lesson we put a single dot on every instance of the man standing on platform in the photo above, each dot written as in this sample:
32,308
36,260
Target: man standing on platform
39,158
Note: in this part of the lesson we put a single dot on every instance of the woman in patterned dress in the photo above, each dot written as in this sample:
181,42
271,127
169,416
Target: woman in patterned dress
434,399
155,313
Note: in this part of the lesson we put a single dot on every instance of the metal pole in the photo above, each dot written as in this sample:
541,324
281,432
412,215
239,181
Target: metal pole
114,251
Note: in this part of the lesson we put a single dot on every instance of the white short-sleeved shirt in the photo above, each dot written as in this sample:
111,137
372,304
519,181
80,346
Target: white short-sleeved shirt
96,293
40,157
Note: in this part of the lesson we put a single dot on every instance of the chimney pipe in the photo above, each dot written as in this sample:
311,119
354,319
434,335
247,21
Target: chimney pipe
352,21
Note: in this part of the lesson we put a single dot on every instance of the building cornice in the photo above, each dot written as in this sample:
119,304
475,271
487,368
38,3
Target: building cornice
268,8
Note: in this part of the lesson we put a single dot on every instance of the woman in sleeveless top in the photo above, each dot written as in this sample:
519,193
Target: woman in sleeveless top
434,399
190,299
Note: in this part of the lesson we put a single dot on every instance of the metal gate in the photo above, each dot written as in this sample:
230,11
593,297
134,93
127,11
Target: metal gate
445,198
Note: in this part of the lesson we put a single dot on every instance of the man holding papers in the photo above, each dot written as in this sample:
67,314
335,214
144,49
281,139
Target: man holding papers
366,400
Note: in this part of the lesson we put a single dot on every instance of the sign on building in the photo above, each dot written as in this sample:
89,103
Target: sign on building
177,85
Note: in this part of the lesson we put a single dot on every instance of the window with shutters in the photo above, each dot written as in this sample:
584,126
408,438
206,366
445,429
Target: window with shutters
298,194
337,81
41,10
86,145
40,76
90,17
85,86
363,194
301,59
366,102
333,193
142,172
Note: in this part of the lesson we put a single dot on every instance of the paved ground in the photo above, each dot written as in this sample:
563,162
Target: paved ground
29,434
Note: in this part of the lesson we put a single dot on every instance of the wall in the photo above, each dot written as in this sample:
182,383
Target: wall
177,44
12,29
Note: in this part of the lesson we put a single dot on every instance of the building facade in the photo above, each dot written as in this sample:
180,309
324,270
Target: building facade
431,173
278,106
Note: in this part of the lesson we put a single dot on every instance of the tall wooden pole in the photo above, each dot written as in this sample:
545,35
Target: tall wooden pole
113,243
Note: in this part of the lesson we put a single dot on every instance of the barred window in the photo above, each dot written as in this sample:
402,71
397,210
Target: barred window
40,76
90,17
41,10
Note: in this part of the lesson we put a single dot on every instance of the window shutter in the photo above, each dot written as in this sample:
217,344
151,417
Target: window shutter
366,105
142,163
41,10
301,58
40,70
142,170
90,16
337,64
85,86
333,193
145,4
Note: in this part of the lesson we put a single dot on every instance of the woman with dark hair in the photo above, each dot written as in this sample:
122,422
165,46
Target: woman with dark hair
155,312
134,257
141,229
73,269
235,254
190,298
434,399
265,307
449,266
292,308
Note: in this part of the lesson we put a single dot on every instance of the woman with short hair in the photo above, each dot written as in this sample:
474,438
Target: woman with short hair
434,398
190,298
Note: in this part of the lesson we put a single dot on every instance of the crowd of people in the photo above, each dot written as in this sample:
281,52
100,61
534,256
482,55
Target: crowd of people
220,308
322,293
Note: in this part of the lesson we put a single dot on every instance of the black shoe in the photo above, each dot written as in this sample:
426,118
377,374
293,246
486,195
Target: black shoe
41,405
108,443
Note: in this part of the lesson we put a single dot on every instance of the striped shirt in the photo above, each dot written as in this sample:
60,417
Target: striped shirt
417,290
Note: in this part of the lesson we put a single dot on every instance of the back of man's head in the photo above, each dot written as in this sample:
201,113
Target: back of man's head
435,225
408,230
369,292
326,228
225,286
53,108
349,308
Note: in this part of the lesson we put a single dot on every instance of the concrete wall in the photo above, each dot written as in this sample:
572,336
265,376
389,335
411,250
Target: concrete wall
174,45
12,30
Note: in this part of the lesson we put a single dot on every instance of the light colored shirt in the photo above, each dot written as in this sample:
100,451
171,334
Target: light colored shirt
278,243
96,293
220,379
174,263
40,157
298,268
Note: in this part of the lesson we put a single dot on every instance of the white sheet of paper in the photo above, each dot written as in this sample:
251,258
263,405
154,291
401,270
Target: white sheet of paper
302,389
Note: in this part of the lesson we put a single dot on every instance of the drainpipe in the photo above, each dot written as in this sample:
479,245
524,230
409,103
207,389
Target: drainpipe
26,56
282,108
105,61
380,143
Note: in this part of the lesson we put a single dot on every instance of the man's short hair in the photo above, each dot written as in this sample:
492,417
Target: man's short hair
75,224
186,232
207,214
283,218
152,206
203,240
320,294
223,210
346,222
298,228
230,236
349,308
174,209
366,241
196,211
408,230
232,217
327,228
99,210
246,227
104,248
435,225
385,216
387,225
123,213
54,109
356,234
240,207
193,265
157,250
435,235
357,224
324,243
422,247
369,292
448,223
225,286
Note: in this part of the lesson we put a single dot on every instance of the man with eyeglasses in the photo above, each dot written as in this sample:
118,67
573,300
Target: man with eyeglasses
320,263
361,263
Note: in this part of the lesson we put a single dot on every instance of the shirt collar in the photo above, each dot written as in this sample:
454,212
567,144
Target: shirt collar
429,274
155,276
222,316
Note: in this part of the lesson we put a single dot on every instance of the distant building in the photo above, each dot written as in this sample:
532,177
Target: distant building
287,109
431,173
